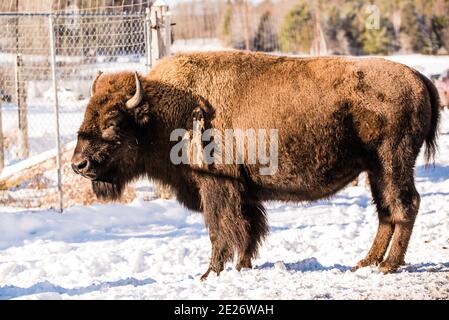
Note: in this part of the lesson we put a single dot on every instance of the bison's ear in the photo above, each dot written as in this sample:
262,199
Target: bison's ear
142,113
110,133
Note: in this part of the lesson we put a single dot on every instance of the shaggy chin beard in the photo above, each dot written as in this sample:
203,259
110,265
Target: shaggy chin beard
108,190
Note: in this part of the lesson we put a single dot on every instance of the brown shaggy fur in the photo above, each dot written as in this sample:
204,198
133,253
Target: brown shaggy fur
336,117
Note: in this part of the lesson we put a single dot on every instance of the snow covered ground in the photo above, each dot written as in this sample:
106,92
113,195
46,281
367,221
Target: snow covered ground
157,250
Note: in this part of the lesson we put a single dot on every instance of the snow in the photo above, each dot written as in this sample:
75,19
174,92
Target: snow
158,250
428,65
191,45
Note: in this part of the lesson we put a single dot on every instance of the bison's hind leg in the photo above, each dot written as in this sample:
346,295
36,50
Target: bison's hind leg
397,201
404,210
255,215
385,229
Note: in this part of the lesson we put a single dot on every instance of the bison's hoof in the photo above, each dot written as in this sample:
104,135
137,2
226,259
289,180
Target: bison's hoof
211,269
366,263
388,267
243,265
204,276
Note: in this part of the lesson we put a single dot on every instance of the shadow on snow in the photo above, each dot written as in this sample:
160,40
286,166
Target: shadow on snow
312,265
10,292
434,173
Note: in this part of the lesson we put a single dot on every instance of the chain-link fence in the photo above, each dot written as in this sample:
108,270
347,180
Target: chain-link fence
41,52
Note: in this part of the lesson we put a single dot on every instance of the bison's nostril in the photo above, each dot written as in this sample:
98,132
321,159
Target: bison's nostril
80,166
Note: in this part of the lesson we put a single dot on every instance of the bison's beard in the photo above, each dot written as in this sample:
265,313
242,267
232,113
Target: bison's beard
110,191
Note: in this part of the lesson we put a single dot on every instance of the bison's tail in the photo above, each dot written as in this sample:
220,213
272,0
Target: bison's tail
431,139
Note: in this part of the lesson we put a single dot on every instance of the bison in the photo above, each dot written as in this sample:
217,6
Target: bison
336,117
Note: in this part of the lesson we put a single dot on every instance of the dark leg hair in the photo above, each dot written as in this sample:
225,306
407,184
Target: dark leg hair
400,196
228,229
255,215
385,229
394,189
404,212
221,252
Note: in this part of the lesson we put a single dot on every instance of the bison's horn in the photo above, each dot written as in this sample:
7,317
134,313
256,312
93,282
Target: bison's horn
94,84
138,96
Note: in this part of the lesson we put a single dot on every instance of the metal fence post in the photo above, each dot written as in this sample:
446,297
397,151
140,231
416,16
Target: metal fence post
156,46
56,106
22,109
149,62
21,100
167,21
160,47
161,41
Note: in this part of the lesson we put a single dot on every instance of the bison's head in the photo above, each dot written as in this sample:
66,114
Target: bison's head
107,151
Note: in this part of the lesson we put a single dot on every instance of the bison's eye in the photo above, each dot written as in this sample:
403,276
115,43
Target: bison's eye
110,133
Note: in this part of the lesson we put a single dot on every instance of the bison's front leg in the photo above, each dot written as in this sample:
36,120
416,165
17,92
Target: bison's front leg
255,215
228,229
221,253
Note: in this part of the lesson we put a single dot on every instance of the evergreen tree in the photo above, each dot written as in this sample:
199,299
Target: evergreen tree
379,41
297,30
265,39
445,35
226,26
352,24
375,41
439,23
413,27
333,24
335,33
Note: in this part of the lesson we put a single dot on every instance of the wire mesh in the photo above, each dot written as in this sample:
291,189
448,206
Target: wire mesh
84,43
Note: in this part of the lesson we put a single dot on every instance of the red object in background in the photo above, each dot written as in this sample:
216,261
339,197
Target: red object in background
442,84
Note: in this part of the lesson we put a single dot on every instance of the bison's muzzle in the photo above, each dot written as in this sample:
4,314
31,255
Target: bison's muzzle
104,187
83,167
